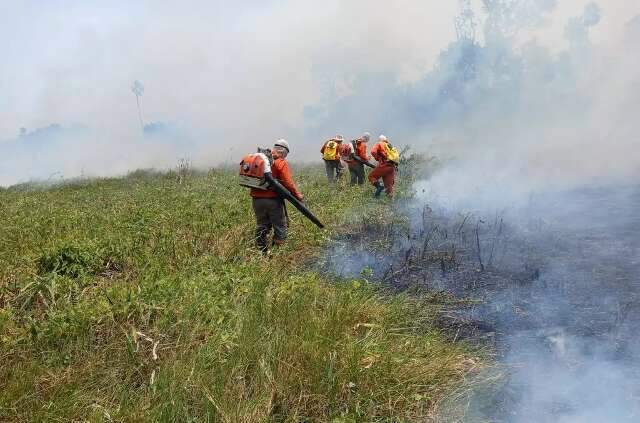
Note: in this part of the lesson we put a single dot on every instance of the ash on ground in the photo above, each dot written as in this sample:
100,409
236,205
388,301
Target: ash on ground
553,286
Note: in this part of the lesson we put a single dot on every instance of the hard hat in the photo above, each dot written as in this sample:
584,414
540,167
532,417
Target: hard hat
282,143
382,138
338,138
366,136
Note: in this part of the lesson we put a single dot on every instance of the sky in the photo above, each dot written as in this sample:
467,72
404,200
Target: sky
75,61
229,75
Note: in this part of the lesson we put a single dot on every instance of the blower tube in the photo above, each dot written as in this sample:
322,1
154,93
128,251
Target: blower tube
358,159
364,162
284,193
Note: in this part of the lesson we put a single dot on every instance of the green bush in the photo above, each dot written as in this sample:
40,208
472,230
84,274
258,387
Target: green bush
70,260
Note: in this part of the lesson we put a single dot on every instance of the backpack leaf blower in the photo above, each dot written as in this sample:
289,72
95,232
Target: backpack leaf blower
359,159
255,172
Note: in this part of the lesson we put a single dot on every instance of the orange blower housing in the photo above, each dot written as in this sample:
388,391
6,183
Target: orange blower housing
253,168
255,172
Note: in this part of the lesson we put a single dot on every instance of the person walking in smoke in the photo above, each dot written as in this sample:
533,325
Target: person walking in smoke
354,154
388,158
331,155
268,207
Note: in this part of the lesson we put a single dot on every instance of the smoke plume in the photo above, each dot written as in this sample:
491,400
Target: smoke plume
224,78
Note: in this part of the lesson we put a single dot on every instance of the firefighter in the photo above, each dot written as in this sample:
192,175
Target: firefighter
268,207
387,157
357,150
331,155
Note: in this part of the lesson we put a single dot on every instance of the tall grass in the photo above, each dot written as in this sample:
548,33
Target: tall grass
142,298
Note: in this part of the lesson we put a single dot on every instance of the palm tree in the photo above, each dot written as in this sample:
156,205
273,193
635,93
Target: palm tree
138,89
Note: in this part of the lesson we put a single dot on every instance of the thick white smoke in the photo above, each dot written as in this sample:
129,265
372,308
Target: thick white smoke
531,119
232,76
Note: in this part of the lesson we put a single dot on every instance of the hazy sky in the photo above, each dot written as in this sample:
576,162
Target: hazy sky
74,61
234,73
206,63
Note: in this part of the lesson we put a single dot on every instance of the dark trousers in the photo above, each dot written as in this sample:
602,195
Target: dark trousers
356,170
270,214
333,167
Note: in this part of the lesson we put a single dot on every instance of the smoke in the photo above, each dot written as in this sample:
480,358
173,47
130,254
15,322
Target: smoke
506,108
542,136
577,361
232,75
54,153
548,136
557,295
236,76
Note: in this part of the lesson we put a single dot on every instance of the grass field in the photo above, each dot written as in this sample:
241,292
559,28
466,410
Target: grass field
141,298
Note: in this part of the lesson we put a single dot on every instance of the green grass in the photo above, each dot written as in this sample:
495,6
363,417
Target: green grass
140,298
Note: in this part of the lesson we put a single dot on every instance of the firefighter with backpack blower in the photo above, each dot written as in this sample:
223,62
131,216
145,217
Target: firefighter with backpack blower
331,155
355,155
267,174
388,159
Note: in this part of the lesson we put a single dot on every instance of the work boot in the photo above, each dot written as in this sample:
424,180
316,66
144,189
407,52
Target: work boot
379,188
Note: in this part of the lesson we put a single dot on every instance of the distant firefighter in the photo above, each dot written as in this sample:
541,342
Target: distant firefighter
388,158
331,155
355,156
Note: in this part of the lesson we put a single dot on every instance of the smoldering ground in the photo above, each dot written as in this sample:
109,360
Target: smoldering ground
532,214
550,284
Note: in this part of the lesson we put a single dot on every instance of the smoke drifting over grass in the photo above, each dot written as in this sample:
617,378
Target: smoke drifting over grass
513,110
236,76
555,284
510,109
544,138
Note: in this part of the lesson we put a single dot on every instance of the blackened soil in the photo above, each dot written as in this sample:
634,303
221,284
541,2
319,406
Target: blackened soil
553,286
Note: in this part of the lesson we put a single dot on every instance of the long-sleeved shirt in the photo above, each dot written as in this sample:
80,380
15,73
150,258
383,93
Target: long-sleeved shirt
360,152
379,153
280,171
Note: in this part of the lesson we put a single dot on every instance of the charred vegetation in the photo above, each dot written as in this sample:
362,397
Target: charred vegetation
551,284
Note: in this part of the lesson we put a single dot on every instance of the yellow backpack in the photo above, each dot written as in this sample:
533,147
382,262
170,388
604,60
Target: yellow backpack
393,155
330,151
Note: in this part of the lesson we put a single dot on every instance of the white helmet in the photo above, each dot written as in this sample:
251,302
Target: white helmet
382,138
366,136
339,138
282,143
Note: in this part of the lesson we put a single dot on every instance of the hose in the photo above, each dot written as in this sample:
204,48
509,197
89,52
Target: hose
284,193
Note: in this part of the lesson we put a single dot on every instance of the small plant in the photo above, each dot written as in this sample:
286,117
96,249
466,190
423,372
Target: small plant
183,169
69,260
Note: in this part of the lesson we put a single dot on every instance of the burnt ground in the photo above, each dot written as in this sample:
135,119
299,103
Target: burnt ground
552,286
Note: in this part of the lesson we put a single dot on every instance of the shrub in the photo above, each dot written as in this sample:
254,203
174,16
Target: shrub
69,260
75,260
